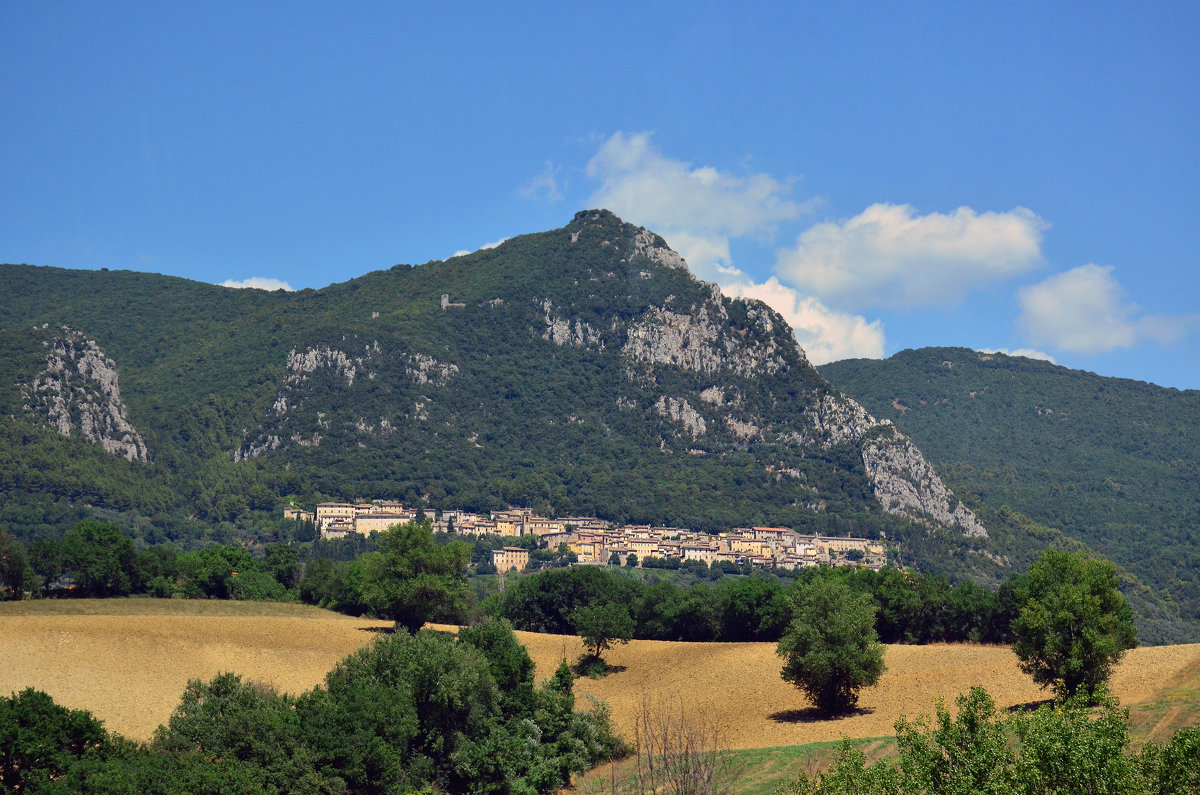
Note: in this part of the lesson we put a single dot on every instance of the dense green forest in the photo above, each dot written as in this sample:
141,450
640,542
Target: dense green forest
468,407
1109,463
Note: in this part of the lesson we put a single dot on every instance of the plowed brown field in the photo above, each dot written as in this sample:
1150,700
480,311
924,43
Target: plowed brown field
128,661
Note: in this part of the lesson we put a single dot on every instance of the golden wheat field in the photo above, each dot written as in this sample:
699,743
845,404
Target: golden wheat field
127,661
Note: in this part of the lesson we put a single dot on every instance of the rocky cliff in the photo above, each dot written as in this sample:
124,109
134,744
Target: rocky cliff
78,392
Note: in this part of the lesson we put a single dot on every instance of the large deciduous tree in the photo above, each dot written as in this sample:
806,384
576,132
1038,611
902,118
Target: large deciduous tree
1074,624
412,579
830,648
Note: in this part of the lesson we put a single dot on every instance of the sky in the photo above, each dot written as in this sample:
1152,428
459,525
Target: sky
1014,176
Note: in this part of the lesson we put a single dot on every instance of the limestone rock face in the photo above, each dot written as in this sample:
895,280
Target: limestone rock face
701,341
425,369
79,391
561,331
906,484
653,247
680,411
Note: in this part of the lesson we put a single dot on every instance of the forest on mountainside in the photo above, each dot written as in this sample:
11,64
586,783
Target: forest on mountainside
247,400
1109,463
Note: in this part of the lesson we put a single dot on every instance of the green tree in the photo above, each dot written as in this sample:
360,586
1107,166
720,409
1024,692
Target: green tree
101,559
15,572
1074,624
509,662
412,579
228,718
830,648
40,740
967,753
600,625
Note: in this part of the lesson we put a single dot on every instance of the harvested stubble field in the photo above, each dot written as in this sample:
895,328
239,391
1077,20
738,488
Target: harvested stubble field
128,661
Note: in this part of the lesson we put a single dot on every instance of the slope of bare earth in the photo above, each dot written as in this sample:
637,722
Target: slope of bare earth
128,661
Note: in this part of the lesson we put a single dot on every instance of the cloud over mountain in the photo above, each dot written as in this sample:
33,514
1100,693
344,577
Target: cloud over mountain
258,283
1086,310
890,256
697,210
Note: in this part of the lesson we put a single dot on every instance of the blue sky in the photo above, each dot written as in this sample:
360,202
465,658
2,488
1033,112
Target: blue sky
1016,176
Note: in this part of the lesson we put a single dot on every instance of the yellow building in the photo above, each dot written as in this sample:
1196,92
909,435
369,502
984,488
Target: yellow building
510,558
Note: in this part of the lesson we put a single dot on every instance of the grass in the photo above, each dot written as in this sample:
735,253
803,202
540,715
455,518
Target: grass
762,771
144,606
1176,706
751,771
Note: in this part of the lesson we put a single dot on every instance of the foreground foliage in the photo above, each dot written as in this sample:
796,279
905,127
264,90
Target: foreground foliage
1063,747
406,713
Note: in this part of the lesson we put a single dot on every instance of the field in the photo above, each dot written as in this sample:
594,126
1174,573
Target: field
128,661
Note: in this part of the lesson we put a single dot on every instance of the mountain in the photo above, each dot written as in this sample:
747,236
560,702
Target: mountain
1111,463
577,371
581,370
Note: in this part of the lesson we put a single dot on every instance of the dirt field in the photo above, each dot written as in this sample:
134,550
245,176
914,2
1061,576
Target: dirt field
128,661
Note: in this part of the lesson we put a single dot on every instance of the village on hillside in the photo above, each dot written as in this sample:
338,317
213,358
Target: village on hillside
596,542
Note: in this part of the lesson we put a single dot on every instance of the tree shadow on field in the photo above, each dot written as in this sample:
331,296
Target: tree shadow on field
595,668
379,630
1029,706
814,715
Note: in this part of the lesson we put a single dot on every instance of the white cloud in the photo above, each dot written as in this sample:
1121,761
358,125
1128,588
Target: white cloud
697,210
544,186
463,252
1028,353
258,283
1085,310
887,255
825,335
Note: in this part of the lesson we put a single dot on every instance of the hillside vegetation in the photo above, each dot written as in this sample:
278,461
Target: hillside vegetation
581,370
577,371
1110,463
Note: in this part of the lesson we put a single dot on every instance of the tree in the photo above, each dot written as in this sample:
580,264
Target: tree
15,573
412,579
1074,624
39,740
100,558
830,648
600,625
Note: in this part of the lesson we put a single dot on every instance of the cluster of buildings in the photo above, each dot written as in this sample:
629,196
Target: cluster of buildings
597,542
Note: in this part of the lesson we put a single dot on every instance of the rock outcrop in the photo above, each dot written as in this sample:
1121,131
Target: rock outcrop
905,484
79,392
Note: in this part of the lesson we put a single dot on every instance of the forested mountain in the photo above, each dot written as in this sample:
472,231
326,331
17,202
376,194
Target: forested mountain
577,371
1112,463
581,370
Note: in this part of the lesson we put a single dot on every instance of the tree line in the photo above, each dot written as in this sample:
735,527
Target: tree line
910,607
96,559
